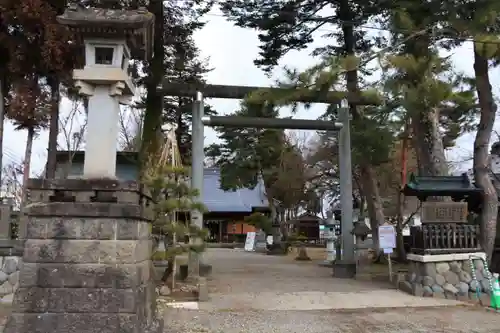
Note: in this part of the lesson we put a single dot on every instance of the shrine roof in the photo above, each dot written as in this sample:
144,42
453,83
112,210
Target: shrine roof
440,186
242,200
81,16
135,25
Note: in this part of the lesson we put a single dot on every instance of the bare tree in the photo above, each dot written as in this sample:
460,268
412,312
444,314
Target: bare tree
72,128
12,183
131,121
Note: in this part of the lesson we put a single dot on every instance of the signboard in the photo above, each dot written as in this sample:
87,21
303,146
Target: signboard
386,237
444,212
250,241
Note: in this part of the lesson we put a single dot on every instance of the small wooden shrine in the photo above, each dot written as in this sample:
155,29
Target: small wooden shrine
445,225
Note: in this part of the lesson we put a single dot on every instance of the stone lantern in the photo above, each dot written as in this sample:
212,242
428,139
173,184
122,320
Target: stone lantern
92,271
110,38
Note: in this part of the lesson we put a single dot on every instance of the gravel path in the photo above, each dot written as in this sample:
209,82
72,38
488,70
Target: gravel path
255,293
449,320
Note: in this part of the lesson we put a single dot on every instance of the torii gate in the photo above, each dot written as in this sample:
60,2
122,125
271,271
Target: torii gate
345,268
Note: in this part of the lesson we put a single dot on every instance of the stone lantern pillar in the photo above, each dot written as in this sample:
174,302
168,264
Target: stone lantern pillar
87,255
109,38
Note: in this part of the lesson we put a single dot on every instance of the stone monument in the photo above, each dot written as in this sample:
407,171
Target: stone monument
86,262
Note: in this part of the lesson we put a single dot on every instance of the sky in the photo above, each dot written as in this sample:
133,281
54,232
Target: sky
231,51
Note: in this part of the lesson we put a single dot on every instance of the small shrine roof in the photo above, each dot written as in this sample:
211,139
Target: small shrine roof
77,15
136,25
453,186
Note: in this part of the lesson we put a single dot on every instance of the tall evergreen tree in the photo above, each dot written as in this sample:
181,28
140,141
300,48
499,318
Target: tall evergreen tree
291,25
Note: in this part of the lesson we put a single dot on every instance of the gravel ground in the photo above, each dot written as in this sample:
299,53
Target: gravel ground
449,320
239,273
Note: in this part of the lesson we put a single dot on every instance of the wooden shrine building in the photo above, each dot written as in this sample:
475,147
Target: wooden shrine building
226,209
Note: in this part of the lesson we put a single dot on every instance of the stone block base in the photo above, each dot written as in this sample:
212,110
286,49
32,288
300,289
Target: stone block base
86,264
344,270
79,323
447,276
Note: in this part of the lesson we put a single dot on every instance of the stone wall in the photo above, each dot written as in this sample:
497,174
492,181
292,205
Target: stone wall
9,277
451,279
11,252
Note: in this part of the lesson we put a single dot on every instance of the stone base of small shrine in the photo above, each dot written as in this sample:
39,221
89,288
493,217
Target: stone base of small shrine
446,276
86,262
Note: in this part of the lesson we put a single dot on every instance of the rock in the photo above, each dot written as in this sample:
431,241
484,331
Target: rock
449,288
6,288
427,291
479,275
437,288
428,281
455,266
417,290
429,269
464,277
466,267
442,267
485,286
14,278
440,280
413,277
479,264
463,288
451,277
3,277
473,285
164,290
10,265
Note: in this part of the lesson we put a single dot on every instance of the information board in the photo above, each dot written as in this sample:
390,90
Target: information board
386,237
250,241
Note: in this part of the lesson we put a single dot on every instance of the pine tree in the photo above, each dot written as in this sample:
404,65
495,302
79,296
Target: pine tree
172,197
248,155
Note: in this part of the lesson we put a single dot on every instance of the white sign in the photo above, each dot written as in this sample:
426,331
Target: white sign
386,237
250,241
387,251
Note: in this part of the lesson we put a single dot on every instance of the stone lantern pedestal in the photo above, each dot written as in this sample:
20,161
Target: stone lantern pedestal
86,264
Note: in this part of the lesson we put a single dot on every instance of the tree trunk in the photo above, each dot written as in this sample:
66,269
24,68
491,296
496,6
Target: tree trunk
50,170
27,163
151,132
2,121
428,143
488,216
373,201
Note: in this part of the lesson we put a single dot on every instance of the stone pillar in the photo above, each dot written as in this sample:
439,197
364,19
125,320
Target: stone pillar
197,175
86,263
102,133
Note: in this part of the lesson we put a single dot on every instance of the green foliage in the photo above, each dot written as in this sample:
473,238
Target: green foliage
172,197
260,221
248,153
439,87
290,25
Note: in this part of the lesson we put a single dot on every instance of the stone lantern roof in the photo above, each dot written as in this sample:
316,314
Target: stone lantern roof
136,26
